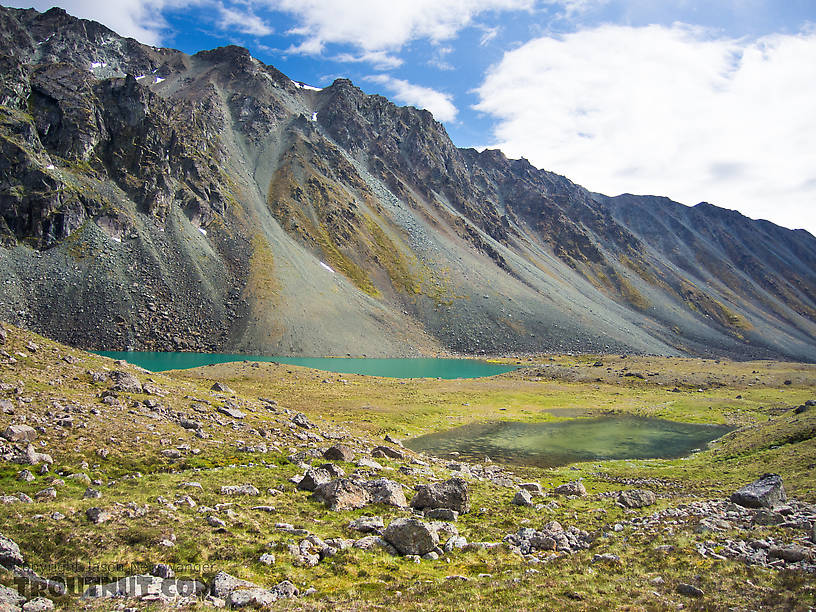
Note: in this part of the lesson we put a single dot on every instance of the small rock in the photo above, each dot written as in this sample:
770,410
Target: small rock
387,451
25,476
689,590
576,487
301,421
162,570
222,388
367,524
522,498
244,489
91,493
267,559
231,412
98,515
442,514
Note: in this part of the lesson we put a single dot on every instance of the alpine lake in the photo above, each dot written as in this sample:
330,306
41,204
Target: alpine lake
548,444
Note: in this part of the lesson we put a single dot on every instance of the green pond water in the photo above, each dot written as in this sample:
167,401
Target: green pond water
571,441
391,368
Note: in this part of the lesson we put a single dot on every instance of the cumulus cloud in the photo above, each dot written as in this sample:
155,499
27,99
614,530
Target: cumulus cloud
373,25
438,103
244,21
666,110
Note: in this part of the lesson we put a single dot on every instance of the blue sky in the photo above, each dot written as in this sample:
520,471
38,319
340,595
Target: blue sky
696,100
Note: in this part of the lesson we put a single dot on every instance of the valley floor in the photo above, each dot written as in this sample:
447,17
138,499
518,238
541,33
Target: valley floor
147,469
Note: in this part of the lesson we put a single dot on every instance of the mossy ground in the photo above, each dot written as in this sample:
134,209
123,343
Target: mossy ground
752,396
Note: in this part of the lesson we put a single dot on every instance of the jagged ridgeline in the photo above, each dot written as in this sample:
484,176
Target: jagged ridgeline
157,200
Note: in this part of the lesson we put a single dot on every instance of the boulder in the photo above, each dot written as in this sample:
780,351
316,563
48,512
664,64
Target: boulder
244,489
384,491
9,552
301,421
411,536
223,584
533,487
18,433
125,382
98,515
313,478
576,487
452,494
231,412
251,598
333,470
522,498
342,494
386,451
222,388
145,586
10,599
367,524
441,514
339,452
765,492
689,590
636,498
38,604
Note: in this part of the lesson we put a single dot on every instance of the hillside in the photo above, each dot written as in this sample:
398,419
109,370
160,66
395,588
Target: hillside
156,200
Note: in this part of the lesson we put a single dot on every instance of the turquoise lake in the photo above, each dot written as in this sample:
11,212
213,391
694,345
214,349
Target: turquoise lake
390,368
570,441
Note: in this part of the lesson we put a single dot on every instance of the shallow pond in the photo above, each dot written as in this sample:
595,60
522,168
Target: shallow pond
564,442
390,368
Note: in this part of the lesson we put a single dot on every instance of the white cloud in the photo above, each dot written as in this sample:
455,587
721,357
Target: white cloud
243,21
438,103
667,111
374,25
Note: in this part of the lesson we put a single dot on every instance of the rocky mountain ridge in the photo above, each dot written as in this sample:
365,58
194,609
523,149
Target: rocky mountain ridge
156,200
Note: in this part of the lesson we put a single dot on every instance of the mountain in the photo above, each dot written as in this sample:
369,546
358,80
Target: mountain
157,200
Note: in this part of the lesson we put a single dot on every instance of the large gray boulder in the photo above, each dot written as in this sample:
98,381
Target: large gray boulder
636,498
384,491
18,433
339,452
765,492
576,487
451,494
411,536
9,552
342,494
313,478
125,382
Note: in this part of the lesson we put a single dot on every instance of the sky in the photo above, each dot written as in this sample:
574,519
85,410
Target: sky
697,100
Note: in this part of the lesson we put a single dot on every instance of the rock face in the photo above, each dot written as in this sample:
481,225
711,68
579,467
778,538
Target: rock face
156,174
636,498
452,494
765,492
411,536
